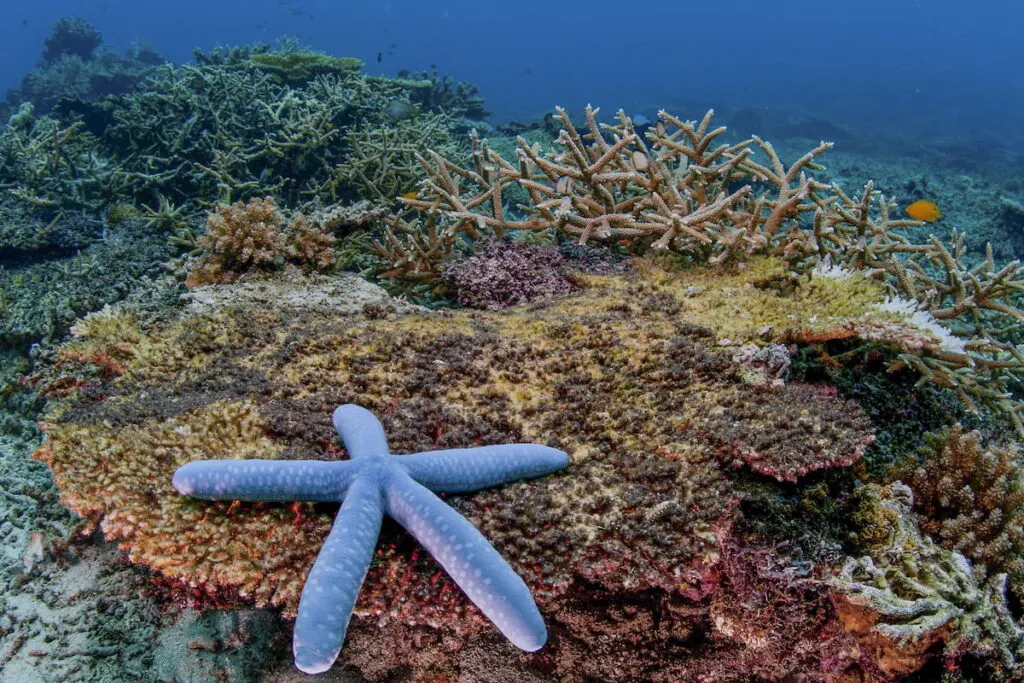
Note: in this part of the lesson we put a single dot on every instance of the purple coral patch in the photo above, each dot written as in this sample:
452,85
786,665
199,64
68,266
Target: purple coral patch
508,273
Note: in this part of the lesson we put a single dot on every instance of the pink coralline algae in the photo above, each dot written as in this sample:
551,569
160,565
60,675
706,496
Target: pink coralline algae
508,273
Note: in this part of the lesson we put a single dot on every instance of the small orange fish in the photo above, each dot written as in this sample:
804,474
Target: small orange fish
923,210
410,195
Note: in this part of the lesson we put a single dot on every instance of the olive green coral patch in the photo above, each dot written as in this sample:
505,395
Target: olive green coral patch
296,68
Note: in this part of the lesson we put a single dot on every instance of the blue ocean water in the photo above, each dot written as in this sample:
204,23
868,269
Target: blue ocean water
899,67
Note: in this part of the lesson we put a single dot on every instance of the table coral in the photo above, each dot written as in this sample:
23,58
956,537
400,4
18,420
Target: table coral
621,551
297,68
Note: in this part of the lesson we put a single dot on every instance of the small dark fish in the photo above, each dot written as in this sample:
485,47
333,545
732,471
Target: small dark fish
433,66
528,71
393,45
24,22
380,57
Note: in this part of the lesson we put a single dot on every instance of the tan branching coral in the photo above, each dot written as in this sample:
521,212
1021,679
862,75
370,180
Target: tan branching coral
242,237
311,246
682,191
674,194
239,237
971,499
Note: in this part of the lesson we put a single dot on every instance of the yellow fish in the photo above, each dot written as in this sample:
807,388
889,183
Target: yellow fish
923,210
410,195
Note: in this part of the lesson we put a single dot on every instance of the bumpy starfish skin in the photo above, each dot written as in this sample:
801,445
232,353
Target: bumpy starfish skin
374,483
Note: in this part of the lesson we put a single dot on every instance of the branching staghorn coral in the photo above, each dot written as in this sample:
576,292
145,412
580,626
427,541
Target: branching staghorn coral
71,36
682,191
674,194
48,165
971,499
982,303
437,92
74,67
226,129
381,162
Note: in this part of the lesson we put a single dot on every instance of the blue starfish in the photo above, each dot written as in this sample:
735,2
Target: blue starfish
373,483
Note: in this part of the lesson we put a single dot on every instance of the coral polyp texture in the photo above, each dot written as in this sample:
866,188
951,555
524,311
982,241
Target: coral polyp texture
240,236
909,597
624,551
971,499
372,483
244,237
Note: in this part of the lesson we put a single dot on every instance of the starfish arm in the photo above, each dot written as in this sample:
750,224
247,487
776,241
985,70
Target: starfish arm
331,589
273,480
469,559
468,469
360,430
